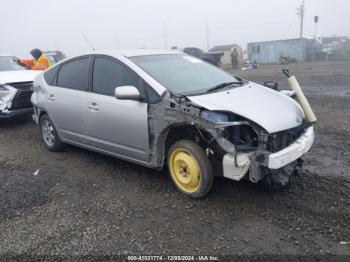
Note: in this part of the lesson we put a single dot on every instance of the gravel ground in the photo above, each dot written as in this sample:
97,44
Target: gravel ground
82,203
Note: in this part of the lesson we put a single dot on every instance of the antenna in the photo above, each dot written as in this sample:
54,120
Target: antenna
87,41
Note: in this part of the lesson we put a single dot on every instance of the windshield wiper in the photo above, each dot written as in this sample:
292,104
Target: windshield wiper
226,84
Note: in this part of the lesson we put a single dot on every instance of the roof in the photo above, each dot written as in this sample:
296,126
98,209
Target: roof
330,39
276,41
123,52
136,52
224,47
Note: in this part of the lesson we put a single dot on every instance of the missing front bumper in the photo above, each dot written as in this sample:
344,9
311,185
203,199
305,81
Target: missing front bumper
237,166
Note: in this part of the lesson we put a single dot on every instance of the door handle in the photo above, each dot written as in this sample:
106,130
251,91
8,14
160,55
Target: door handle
51,98
93,106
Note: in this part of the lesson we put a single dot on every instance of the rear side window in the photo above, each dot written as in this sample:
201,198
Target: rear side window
74,74
50,75
109,74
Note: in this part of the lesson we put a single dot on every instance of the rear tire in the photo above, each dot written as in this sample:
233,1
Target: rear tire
49,134
190,169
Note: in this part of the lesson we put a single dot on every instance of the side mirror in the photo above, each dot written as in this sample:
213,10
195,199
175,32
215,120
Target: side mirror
127,93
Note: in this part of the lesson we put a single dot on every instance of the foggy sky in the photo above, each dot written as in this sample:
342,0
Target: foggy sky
59,24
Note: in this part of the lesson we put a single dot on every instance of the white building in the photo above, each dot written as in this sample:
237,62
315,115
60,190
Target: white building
227,50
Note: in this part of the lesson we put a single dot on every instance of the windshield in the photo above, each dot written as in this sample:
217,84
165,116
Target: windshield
7,63
183,74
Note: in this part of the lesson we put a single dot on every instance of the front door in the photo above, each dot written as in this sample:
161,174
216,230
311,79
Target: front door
116,126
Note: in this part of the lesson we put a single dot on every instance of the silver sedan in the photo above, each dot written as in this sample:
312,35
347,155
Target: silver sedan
164,108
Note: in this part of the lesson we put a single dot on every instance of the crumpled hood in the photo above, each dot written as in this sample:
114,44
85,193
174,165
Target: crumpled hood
270,109
18,76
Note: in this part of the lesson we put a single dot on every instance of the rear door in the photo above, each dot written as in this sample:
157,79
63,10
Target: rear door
116,126
67,99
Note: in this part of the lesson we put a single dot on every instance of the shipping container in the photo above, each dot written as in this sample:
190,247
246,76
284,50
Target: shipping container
274,51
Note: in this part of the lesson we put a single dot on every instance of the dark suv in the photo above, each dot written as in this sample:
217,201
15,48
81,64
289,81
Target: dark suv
214,59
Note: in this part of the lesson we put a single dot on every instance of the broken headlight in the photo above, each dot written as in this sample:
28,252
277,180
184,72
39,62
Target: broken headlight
3,88
5,96
236,129
212,116
4,92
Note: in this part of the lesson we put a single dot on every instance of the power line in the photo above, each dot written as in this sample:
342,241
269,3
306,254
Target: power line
277,22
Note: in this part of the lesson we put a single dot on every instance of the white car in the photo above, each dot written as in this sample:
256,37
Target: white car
16,84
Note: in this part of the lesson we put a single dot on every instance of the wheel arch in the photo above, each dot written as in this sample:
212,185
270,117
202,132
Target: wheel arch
41,113
176,132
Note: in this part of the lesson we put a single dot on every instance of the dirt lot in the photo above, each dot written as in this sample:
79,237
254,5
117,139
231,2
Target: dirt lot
81,202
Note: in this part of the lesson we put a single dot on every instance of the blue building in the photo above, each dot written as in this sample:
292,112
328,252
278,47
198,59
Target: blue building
272,51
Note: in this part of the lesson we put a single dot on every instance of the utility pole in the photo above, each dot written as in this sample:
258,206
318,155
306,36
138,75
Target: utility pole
207,33
316,21
301,13
315,36
165,35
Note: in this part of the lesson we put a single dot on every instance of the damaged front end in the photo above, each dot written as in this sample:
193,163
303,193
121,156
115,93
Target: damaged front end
237,147
15,99
253,153
279,154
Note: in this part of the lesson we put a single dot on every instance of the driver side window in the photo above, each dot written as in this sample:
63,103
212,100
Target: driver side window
109,74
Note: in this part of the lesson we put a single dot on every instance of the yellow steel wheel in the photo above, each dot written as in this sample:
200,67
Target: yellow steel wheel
185,171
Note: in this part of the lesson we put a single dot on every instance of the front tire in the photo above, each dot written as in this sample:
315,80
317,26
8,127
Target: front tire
190,169
49,134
